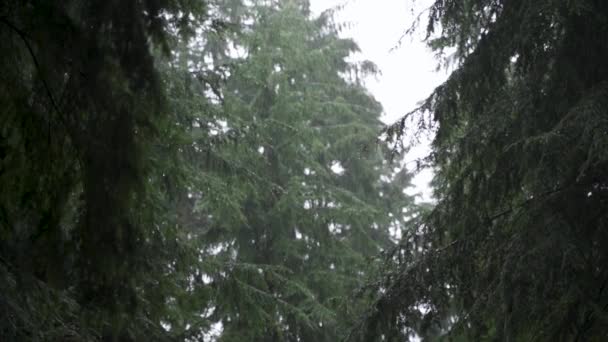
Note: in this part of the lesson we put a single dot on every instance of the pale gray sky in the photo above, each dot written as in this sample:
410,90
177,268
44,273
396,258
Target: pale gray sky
408,72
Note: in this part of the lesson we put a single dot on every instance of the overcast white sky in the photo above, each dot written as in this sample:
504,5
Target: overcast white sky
408,72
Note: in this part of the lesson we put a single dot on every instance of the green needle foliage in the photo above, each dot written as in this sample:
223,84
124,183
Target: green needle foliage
82,245
172,170
292,198
517,247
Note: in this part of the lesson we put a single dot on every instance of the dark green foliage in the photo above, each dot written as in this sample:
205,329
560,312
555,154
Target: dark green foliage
81,100
153,183
517,246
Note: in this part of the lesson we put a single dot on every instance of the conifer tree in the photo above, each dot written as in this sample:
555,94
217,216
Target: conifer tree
293,200
516,248
83,246
167,167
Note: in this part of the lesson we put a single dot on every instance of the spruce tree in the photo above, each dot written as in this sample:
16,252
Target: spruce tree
83,246
516,247
292,199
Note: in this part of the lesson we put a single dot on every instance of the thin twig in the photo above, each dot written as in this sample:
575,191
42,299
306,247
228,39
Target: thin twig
25,40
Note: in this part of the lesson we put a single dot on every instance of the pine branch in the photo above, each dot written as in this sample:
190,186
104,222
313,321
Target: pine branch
25,40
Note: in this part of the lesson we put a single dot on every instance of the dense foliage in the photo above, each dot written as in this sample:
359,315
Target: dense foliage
517,246
187,170
295,197
81,100
181,170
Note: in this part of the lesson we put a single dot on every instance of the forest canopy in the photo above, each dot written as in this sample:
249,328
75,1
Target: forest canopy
178,170
189,170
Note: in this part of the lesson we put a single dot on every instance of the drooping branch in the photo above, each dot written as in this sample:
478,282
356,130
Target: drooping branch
23,36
